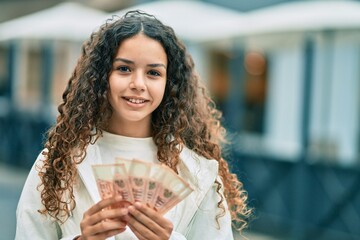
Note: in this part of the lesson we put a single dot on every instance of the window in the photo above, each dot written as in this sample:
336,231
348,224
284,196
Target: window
251,74
28,79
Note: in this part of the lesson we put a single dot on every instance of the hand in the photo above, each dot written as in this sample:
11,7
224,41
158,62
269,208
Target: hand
147,224
101,221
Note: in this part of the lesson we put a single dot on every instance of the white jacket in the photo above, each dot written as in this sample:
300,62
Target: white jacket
193,218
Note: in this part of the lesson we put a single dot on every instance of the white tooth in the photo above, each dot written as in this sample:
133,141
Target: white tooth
136,100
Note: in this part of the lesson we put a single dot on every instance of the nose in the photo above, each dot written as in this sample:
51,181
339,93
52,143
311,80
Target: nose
138,82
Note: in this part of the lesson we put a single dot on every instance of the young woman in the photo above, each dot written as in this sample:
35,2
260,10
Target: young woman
135,94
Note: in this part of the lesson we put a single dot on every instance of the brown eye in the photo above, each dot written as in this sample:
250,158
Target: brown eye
123,69
154,73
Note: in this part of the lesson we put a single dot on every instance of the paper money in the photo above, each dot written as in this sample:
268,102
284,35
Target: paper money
139,174
126,162
155,185
104,176
172,187
122,185
157,174
171,203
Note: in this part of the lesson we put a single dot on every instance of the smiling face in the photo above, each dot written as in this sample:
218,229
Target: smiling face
137,85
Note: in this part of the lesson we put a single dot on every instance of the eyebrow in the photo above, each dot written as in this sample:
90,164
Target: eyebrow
132,62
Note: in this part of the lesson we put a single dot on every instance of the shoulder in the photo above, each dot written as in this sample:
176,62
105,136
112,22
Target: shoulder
33,179
30,201
40,160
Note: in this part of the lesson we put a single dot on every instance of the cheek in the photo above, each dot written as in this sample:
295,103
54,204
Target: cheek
113,91
110,94
115,85
111,84
161,91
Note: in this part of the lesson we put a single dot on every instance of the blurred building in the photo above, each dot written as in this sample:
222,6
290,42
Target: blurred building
286,75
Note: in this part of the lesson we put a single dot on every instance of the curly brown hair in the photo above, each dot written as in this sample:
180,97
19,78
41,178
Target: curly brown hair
186,113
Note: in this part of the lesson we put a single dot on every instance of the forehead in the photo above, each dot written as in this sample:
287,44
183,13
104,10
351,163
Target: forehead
142,47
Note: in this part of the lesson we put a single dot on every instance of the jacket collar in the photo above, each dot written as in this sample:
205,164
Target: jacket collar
86,173
201,174
197,170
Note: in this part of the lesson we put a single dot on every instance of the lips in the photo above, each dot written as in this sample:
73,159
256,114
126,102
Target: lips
135,100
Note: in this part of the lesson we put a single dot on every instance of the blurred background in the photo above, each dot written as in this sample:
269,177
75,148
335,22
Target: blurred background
286,75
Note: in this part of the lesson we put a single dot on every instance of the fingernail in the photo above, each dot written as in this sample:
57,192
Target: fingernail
131,208
137,204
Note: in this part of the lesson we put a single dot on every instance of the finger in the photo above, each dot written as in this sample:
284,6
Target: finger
107,214
103,204
104,227
145,226
141,223
110,233
153,215
141,232
139,235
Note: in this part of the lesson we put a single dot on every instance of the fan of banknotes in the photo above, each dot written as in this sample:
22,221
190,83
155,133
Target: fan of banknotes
156,185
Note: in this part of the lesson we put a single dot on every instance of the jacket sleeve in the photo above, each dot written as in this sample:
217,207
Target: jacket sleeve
177,236
30,224
204,225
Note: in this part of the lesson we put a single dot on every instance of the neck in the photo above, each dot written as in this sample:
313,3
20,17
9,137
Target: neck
131,129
